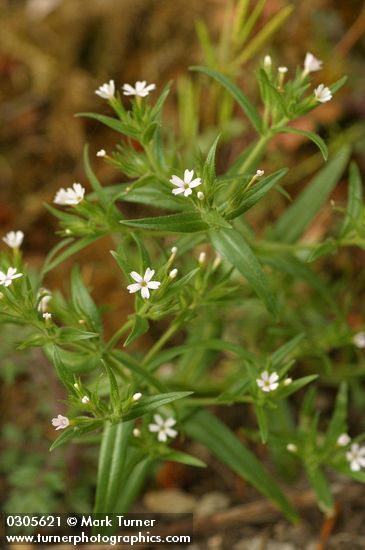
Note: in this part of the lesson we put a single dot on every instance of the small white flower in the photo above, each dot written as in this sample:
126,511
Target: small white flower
60,422
143,283
47,316
140,89
101,153
174,250
283,70
70,196
202,257
260,173
85,400
288,381
44,300
163,427
173,273
343,440
359,340
106,91
136,396
7,278
323,94
356,457
136,432
186,185
14,239
311,64
268,382
292,448
267,62
200,195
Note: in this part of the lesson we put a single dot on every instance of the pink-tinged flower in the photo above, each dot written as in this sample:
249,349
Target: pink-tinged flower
356,457
140,89
107,90
186,185
268,382
70,196
143,283
7,278
322,93
14,239
60,422
311,64
163,428
343,440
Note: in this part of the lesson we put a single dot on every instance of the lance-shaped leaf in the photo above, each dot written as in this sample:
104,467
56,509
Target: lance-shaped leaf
148,404
114,124
237,94
300,214
188,222
256,193
310,135
221,442
355,202
231,245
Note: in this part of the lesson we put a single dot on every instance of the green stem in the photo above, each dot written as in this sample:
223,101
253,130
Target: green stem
260,146
174,327
122,330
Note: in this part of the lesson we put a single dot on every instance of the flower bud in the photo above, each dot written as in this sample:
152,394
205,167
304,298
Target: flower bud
173,273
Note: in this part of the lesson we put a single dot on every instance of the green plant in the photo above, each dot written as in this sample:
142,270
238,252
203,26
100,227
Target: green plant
233,294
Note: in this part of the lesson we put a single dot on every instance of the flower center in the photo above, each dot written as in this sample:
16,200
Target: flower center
186,186
143,283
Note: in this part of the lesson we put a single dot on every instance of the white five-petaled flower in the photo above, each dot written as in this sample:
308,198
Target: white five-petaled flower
70,196
47,316
107,90
14,239
101,153
268,382
60,422
359,340
311,64
186,185
140,89
143,283
7,278
163,427
343,440
322,93
356,457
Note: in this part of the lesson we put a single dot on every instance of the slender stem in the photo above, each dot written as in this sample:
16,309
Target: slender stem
256,151
122,330
174,327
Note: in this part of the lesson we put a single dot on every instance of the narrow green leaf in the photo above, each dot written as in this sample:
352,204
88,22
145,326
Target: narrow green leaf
262,422
113,123
215,436
189,222
237,94
300,214
256,193
338,421
82,301
230,244
355,205
140,327
148,404
208,175
77,245
183,458
322,489
310,135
